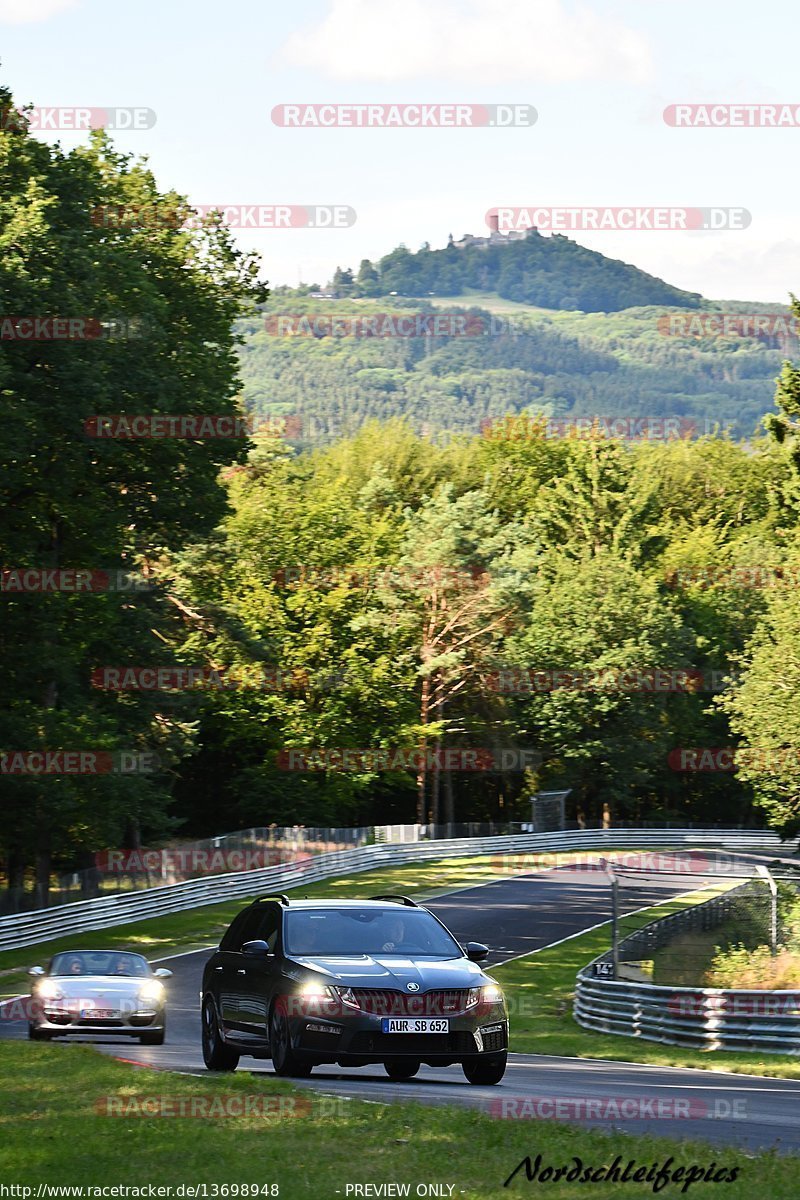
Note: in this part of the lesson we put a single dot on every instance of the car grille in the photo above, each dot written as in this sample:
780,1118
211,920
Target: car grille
383,1002
421,1044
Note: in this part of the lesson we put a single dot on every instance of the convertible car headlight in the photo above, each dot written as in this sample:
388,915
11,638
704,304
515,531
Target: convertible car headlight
151,993
49,991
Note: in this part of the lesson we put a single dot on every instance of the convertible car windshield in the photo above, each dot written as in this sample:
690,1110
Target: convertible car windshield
404,931
83,962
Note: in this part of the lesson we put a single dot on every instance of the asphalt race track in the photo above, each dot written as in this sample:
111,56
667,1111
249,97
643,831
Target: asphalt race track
514,916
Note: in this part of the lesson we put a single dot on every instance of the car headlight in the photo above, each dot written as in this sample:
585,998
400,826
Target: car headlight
151,993
347,996
49,991
317,991
490,993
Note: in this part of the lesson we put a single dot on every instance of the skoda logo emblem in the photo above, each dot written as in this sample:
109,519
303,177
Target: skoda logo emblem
412,987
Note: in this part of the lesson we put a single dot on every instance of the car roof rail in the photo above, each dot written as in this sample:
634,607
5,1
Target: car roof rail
275,896
409,903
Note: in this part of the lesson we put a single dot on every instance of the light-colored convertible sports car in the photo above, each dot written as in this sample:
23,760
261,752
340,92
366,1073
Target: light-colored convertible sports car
98,991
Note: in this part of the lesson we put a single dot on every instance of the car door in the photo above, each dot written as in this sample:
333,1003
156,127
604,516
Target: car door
259,971
228,972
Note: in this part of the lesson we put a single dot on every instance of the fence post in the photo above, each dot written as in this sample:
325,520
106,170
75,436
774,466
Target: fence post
773,913
609,870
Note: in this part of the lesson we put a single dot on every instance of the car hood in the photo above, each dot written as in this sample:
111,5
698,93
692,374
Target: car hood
90,986
394,972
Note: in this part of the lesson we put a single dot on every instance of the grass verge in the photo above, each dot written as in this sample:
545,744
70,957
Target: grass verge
54,1131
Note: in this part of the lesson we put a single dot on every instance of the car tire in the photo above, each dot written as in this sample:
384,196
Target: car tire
399,1069
485,1071
37,1035
284,1059
216,1055
153,1037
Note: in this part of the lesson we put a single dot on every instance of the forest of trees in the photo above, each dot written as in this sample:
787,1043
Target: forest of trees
552,272
560,364
371,593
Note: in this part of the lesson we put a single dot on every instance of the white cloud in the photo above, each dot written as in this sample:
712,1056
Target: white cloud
480,41
23,12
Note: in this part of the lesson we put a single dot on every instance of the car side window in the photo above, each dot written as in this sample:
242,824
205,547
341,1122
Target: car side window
249,930
231,940
269,925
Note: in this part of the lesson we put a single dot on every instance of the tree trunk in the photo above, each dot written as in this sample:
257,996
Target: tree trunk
436,785
449,806
424,710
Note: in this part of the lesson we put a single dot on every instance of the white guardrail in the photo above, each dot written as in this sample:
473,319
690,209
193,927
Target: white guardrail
740,1019
28,929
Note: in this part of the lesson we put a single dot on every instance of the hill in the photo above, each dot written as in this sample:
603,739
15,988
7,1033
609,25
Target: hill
553,272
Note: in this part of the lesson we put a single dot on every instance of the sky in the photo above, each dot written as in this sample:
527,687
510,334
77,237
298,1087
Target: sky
598,73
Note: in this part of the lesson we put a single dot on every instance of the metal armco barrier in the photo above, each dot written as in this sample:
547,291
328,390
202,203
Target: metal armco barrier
701,1018
43,925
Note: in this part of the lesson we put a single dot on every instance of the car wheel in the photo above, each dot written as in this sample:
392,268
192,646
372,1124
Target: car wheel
402,1068
153,1037
37,1035
284,1059
216,1055
488,1070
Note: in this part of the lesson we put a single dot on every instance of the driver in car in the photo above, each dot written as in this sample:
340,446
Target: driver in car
395,935
75,967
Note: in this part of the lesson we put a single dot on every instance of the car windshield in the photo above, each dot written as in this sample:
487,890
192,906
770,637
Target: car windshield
99,962
410,932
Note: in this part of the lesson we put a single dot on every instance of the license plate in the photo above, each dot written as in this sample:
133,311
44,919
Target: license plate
99,1013
414,1025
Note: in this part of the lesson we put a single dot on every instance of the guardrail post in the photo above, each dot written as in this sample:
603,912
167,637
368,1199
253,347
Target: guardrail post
609,870
773,907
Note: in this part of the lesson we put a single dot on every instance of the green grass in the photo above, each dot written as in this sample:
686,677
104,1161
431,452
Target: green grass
53,1133
540,988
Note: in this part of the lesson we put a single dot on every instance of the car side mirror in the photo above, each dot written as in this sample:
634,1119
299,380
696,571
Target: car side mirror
162,973
476,951
37,971
257,948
